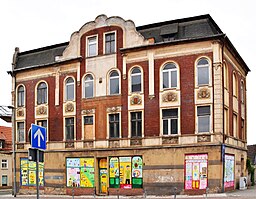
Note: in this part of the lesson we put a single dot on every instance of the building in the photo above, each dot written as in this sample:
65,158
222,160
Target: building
5,157
252,157
127,109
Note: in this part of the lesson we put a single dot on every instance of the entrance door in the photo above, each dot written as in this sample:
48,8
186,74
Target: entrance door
103,175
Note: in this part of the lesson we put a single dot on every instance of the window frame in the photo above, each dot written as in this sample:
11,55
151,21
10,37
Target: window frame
83,120
17,130
88,81
65,127
234,85
43,92
169,121
142,124
105,43
43,120
242,91
89,44
4,163
235,131
203,116
20,96
169,72
197,67
117,126
134,75
6,176
66,85
111,78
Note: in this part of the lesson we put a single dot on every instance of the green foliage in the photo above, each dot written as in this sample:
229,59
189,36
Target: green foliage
251,170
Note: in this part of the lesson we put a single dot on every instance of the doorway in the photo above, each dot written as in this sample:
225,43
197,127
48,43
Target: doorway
103,176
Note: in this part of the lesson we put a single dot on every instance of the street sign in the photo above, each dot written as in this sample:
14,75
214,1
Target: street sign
38,137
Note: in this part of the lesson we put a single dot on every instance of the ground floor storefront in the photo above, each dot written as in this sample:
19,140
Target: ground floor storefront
155,170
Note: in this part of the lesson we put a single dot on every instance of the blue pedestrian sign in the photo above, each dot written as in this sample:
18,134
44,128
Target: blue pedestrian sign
38,137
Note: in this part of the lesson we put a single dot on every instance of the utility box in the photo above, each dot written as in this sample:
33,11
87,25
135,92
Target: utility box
243,183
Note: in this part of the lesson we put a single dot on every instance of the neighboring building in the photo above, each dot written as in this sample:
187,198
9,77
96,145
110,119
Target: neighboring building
252,156
130,108
5,156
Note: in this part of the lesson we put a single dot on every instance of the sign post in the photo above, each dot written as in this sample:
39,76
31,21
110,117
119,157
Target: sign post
38,142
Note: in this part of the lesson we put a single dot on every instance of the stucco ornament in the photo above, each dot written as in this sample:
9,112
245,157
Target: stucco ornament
69,107
169,97
41,110
203,93
20,112
136,100
88,111
114,109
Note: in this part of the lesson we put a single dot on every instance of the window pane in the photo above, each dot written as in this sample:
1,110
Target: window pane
203,75
169,66
114,125
165,80
114,86
136,83
203,124
110,43
174,79
20,126
174,126
89,89
203,110
42,93
133,128
165,127
135,70
92,46
139,128
69,128
21,96
168,113
88,120
70,92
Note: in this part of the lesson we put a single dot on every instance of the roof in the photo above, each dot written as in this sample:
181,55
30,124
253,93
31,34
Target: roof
5,113
172,32
180,29
252,153
6,136
40,56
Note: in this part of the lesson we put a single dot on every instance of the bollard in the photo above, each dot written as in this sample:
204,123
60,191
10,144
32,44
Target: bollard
206,192
94,193
175,192
145,193
117,193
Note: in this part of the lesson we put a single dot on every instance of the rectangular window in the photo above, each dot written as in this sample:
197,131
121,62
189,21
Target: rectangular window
88,127
80,172
125,172
4,164
4,180
196,171
235,125
42,123
88,120
170,121
114,125
136,124
92,46
20,131
243,129
203,118
69,128
110,43
28,173
203,75
226,122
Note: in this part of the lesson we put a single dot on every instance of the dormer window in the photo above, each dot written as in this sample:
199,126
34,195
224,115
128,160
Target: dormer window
1,144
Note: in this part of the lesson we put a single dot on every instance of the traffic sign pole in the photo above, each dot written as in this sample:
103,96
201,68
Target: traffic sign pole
37,174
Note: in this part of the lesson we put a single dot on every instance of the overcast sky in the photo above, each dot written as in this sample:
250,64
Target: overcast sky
31,24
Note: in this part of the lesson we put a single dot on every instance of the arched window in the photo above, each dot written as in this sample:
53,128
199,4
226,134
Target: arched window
21,96
136,80
225,71
114,83
69,89
169,75
234,85
42,93
88,86
202,72
242,91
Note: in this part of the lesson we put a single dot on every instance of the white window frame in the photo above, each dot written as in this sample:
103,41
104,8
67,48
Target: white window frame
47,93
91,43
235,125
162,122
6,163
104,42
203,66
24,96
4,175
93,85
119,82
45,119
169,71
235,85
65,88
141,79
210,119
